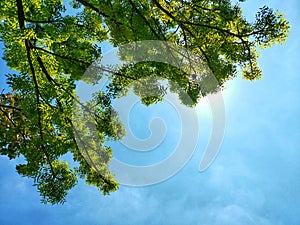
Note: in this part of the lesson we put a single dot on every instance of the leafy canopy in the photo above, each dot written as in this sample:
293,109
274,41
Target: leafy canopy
50,49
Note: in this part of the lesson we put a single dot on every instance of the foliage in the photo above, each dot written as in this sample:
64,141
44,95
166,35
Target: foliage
51,49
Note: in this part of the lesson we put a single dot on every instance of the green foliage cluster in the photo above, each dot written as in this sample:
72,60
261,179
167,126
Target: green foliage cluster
51,49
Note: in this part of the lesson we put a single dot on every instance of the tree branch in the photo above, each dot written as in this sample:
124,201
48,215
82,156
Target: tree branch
21,15
89,5
42,21
28,45
10,107
143,18
61,56
15,125
89,158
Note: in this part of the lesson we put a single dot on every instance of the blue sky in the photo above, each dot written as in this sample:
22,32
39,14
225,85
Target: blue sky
254,179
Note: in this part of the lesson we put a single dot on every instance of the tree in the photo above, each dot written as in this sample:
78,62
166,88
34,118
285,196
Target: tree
50,49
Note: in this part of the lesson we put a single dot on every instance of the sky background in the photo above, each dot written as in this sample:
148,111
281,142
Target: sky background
253,181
